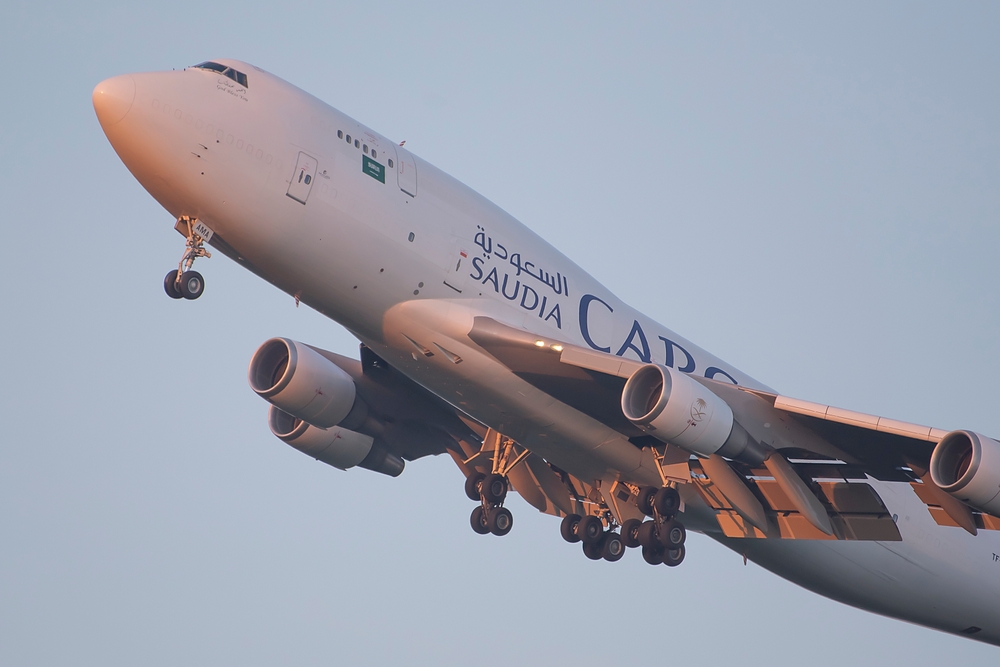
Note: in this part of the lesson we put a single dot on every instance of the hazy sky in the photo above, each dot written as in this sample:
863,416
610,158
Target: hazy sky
808,192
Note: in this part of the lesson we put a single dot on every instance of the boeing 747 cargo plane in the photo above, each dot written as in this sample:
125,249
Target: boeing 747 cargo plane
481,341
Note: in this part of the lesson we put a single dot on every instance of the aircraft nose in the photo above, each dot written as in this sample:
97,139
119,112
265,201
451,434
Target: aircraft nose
113,98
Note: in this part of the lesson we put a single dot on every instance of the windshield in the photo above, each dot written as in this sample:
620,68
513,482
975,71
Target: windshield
236,75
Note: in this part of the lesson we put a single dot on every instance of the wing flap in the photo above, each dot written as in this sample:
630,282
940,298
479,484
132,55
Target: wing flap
854,509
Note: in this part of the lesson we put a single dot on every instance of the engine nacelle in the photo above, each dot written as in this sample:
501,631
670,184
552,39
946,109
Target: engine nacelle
676,409
967,465
336,446
300,381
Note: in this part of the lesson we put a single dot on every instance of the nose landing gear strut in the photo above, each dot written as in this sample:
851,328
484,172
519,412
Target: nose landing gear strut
182,282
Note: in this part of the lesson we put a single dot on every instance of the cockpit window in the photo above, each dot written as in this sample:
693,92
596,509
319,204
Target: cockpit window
236,75
215,67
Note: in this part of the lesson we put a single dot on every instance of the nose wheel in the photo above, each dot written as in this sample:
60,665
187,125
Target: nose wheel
188,285
182,282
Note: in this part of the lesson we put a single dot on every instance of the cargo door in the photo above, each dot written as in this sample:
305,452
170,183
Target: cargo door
302,178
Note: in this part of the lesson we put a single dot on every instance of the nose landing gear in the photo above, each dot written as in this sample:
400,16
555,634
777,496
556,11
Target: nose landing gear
182,282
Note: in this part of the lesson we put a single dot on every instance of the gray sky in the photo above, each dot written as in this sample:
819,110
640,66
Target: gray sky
808,192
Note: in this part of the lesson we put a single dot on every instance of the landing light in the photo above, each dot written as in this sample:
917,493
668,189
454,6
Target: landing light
540,343
557,348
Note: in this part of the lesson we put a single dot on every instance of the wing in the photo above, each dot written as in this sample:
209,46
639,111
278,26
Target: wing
835,451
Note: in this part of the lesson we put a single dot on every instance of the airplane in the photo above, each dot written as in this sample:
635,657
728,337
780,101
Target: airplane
481,341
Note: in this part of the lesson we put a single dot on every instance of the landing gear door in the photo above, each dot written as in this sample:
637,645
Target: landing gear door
302,178
406,171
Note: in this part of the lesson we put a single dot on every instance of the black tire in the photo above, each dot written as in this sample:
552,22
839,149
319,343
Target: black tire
672,535
500,521
494,488
594,551
667,501
630,533
472,483
652,555
192,285
590,529
170,285
646,534
568,528
478,521
644,500
613,548
674,557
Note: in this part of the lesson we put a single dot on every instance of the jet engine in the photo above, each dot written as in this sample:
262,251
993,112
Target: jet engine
967,466
677,409
300,381
336,446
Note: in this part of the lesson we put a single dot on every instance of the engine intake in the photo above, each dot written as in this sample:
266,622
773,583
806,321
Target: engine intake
967,466
300,381
336,446
674,408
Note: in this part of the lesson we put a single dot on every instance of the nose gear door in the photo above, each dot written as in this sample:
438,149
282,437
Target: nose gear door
302,178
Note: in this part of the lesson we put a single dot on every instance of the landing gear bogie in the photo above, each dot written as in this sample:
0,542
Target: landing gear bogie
489,486
608,545
662,537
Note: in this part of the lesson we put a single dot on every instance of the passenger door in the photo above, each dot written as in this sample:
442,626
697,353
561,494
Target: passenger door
406,171
302,178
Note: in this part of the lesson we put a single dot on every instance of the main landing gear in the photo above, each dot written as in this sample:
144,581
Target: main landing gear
182,282
662,539
491,489
490,516
597,542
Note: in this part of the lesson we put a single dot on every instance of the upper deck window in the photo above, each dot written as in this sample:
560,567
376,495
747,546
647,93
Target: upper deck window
236,75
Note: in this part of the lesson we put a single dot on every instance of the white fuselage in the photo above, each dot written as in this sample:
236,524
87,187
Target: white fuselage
406,256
